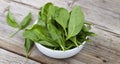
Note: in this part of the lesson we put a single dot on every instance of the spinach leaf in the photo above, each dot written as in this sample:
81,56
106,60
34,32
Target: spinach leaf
91,34
28,45
86,28
39,33
47,43
30,34
62,17
40,21
74,40
51,13
76,22
25,22
56,35
11,20
44,11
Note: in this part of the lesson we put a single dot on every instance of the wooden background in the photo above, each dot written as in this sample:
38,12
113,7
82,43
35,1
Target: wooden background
104,14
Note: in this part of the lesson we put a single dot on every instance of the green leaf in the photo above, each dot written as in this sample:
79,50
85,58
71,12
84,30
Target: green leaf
30,34
91,34
47,43
61,17
41,22
25,22
28,45
74,40
39,33
44,11
76,22
56,35
86,28
88,23
11,21
51,13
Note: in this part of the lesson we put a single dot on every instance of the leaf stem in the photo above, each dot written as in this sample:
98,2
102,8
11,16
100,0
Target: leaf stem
27,58
62,47
14,33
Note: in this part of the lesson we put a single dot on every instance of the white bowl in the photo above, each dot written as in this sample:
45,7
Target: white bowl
57,53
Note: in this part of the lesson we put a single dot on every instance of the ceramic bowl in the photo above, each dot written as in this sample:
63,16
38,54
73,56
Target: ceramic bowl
57,53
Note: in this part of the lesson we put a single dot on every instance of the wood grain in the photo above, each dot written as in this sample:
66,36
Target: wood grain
105,13
102,12
7,57
104,49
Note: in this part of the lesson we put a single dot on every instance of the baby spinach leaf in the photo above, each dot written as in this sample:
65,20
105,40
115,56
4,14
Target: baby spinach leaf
25,22
76,22
46,43
86,28
41,22
91,34
56,35
51,12
45,10
28,45
74,40
35,33
39,33
11,20
61,17
30,34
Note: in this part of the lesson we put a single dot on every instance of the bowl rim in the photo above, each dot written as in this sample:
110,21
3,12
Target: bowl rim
60,50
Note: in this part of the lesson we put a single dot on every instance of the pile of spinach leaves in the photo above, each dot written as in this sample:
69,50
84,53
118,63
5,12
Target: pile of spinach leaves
56,28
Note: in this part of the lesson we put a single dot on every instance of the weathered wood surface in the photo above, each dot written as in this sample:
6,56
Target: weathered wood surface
104,14
7,57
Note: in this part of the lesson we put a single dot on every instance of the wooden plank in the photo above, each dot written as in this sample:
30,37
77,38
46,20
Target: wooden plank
87,56
110,5
107,39
92,54
38,3
98,13
104,13
7,57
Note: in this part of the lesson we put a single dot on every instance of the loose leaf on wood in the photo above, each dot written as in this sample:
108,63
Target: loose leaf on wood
28,45
25,22
76,22
11,20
